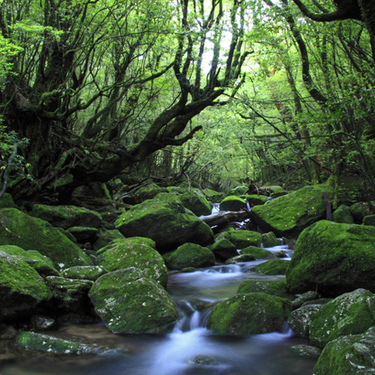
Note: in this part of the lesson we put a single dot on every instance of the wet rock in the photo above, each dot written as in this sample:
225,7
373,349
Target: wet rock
333,258
232,316
134,252
23,291
42,323
269,239
165,220
289,214
349,314
189,255
223,249
352,354
240,258
305,297
306,351
257,252
7,332
204,360
31,233
241,238
42,343
274,287
272,267
66,216
84,272
129,302
233,203
300,319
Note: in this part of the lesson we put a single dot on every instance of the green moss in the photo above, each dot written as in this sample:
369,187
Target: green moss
289,214
274,287
257,252
241,238
333,258
134,252
84,272
233,203
196,202
269,239
189,255
342,215
247,314
31,233
273,267
223,249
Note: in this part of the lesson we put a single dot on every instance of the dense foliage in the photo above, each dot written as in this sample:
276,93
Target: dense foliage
214,91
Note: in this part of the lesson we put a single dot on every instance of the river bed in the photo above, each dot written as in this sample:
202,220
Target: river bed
191,349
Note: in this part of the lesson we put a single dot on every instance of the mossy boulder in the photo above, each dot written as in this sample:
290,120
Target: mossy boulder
31,233
269,239
233,203
134,252
84,272
70,295
240,258
348,314
42,264
23,291
255,200
369,220
343,215
66,216
289,214
43,343
241,238
249,314
148,191
300,319
274,287
84,234
333,258
166,221
196,202
361,209
257,252
213,195
105,237
272,267
189,255
6,201
348,355
223,249
129,302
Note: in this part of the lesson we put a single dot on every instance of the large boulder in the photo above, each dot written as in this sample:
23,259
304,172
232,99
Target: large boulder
224,249
300,319
189,255
352,354
257,252
272,267
289,214
166,221
241,238
196,202
129,302
248,314
274,287
30,233
333,258
134,252
23,291
348,314
66,216
233,203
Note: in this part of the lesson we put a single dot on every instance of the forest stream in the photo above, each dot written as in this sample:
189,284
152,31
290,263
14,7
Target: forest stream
191,349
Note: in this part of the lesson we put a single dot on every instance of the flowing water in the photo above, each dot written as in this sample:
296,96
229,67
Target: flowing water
191,349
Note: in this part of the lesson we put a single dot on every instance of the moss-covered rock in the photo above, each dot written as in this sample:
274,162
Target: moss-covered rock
269,239
369,220
129,302
361,209
241,238
105,237
289,214
148,191
23,291
31,233
84,234
348,314
223,249
274,287
240,258
348,355
189,255
257,252
233,203
42,264
343,215
300,319
213,195
84,272
67,216
248,314
70,295
6,201
134,252
272,267
255,199
333,258
196,202
166,221
42,343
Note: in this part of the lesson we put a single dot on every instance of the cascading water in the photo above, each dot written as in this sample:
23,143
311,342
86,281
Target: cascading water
191,349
